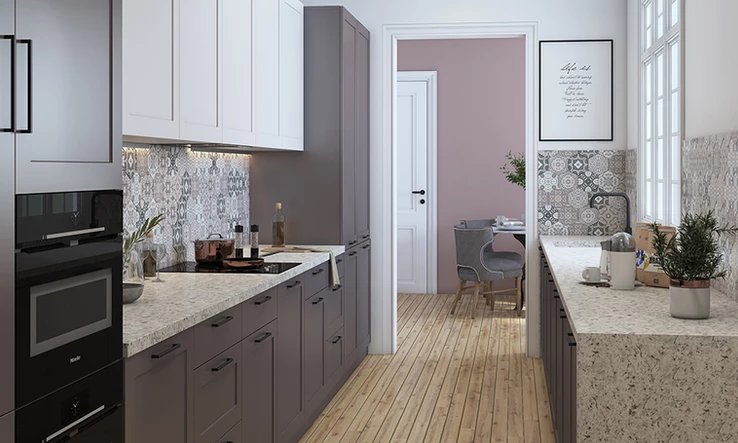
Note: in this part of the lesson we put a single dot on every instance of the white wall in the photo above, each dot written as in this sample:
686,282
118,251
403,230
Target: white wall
711,67
569,20
633,72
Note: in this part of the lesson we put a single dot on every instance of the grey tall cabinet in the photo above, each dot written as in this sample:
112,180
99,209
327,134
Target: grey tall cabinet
325,189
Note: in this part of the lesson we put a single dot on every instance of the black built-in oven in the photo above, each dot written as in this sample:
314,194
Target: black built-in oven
68,289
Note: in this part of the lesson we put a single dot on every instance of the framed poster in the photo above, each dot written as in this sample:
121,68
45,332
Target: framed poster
575,81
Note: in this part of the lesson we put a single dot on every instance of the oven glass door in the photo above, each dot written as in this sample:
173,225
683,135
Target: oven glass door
67,310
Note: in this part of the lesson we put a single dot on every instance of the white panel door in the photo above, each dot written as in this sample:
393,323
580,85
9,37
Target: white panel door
412,176
238,43
291,72
199,72
150,69
266,72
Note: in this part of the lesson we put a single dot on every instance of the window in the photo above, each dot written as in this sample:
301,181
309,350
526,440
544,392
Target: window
661,133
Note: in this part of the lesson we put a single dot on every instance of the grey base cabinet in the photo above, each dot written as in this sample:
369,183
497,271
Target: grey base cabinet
7,427
290,417
259,352
559,358
217,395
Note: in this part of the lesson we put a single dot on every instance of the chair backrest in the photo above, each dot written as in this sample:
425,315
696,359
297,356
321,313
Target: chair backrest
478,223
470,245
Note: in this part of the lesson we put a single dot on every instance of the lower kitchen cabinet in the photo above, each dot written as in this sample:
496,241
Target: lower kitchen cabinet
314,336
350,338
235,435
363,294
217,395
290,404
158,399
7,427
259,388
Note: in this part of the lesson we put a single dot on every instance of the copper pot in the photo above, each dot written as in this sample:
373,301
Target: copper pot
213,250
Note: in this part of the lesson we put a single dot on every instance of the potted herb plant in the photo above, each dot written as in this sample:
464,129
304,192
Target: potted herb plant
133,274
515,170
691,259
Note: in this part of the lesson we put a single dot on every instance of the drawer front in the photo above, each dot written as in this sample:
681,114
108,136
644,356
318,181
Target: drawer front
259,383
316,279
233,436
333,353
340,264
217,395
217,334
259,311
333,310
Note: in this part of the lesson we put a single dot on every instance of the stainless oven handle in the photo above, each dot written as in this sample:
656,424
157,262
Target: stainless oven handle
73,424
73,233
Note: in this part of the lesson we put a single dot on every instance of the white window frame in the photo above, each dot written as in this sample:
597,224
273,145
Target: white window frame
671,156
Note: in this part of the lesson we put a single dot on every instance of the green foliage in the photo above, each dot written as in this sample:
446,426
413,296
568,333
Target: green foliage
515,170
693,253
138,236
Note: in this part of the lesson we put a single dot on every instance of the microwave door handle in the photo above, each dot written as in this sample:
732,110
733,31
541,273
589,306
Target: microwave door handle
73,233
73,424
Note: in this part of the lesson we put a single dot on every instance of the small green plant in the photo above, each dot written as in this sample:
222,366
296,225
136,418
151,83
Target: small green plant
693,253
515,170
138,236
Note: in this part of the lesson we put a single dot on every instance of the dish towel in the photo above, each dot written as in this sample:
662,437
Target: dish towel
335,279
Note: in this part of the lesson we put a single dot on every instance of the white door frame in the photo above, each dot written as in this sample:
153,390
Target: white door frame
431,80
384,322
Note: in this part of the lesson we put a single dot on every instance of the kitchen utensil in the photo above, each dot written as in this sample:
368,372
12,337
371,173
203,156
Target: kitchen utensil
604,259
242,263
213,250
592,274
622,261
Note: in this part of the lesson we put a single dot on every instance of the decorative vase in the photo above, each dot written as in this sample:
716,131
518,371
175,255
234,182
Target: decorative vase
133,275
689,299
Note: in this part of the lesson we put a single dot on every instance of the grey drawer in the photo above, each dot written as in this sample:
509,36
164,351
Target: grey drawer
233,436
217,334
258,311
340,264
316,279
217,395
333,310
333,354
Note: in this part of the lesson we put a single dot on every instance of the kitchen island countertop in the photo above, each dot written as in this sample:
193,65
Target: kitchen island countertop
184,300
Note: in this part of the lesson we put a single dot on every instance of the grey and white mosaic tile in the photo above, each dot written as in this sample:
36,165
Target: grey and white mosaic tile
710,181
199,193
631,179
566,182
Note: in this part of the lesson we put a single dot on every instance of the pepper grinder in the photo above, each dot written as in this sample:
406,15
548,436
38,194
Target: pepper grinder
254,241
239,241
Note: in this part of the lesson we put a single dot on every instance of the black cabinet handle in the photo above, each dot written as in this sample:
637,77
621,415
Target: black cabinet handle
222,321
570,339
337,288
11,127
339,260
336,340
263,300
263,337
297,283
351,254
319,271
29,128
556,297
421,192
222,366
318,301
170,349
366,246
562,313
364,237
353,242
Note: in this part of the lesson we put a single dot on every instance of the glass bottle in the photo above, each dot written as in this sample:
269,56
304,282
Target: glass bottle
278,220
239,241
149,256
254,241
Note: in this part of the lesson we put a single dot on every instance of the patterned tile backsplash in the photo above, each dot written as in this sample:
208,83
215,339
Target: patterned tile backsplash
566,182
198,192
631,181
710,181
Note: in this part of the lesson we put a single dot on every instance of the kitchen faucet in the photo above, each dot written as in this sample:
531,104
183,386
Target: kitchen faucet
628,229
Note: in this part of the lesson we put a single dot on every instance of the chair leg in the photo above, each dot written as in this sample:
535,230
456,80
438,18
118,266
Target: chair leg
519,301
458,295
487,288
476,297
492,295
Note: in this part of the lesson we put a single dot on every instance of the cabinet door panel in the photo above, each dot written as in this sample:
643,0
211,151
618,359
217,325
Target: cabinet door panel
289,359
348,131
7,272
217,395
334,357
259,383
314,327
291,73
71,108
158,399
151,60
200,47
238,42
266,61
363,294
334,306
362,134
7,428
235,435
350,301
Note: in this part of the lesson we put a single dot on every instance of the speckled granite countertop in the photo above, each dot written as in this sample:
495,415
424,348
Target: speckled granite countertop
643,311
184,300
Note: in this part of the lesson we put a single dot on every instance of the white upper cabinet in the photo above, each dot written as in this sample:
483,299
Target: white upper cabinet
291,75
150,69
218,72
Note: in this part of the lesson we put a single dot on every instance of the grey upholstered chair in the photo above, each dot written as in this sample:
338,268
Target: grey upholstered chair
474,264
490,250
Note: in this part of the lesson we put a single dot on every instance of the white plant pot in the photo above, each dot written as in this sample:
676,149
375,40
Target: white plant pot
689,302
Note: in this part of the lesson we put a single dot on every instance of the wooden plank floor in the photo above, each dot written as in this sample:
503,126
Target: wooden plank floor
453,379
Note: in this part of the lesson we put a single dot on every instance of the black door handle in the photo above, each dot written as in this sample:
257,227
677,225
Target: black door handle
336,340
319,271
29,128
351,254
263,337
263,300
222,321
294,284
421,192
318,301
222,366
339,260
170,349
11,127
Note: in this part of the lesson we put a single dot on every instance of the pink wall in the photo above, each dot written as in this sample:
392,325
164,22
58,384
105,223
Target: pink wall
481,116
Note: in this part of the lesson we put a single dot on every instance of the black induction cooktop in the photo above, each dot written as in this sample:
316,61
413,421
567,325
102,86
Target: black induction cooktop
267,268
